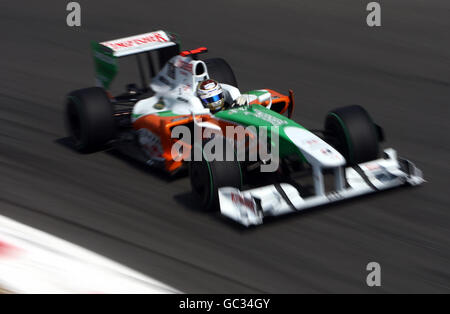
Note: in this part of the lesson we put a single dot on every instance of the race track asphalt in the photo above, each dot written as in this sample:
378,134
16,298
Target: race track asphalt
324,51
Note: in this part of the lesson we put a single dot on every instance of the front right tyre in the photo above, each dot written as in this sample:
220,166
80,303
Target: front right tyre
221,71
208,176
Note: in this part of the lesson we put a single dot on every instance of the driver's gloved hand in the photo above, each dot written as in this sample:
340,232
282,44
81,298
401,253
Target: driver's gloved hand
240,101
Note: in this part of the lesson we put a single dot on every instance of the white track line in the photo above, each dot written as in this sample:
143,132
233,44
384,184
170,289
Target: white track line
32,261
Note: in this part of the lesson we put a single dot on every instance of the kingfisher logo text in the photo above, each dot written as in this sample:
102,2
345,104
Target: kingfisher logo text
155,37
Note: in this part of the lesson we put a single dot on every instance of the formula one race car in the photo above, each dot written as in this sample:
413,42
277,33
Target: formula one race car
150,123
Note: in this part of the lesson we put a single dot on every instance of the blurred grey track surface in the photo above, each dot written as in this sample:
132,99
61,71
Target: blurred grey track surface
321,49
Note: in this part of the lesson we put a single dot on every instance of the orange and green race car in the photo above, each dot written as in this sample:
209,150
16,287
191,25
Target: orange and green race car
249,158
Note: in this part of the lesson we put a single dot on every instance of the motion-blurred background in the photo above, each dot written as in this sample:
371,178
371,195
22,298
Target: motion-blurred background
325,51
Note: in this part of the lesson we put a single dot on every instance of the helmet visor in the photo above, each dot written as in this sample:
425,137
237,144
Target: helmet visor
212,99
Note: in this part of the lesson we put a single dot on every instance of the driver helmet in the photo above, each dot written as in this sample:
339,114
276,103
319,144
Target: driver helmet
211,94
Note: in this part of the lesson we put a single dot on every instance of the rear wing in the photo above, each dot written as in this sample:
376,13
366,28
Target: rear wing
106,54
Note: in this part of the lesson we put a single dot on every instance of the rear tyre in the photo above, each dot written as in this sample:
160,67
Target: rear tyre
221,71
208,176
89,119
352,132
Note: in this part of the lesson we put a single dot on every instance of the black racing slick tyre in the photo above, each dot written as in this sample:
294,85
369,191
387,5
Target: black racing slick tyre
207,176
352,132
221,71
90,119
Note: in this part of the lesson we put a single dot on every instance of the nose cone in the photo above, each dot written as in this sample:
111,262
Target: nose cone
315,150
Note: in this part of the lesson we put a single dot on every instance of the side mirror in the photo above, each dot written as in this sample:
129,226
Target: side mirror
266,97
205,125
208,125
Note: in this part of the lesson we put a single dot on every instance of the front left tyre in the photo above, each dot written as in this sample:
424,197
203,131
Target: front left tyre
208,176
90,119
352,132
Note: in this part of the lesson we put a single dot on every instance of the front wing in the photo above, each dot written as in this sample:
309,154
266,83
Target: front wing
251,206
